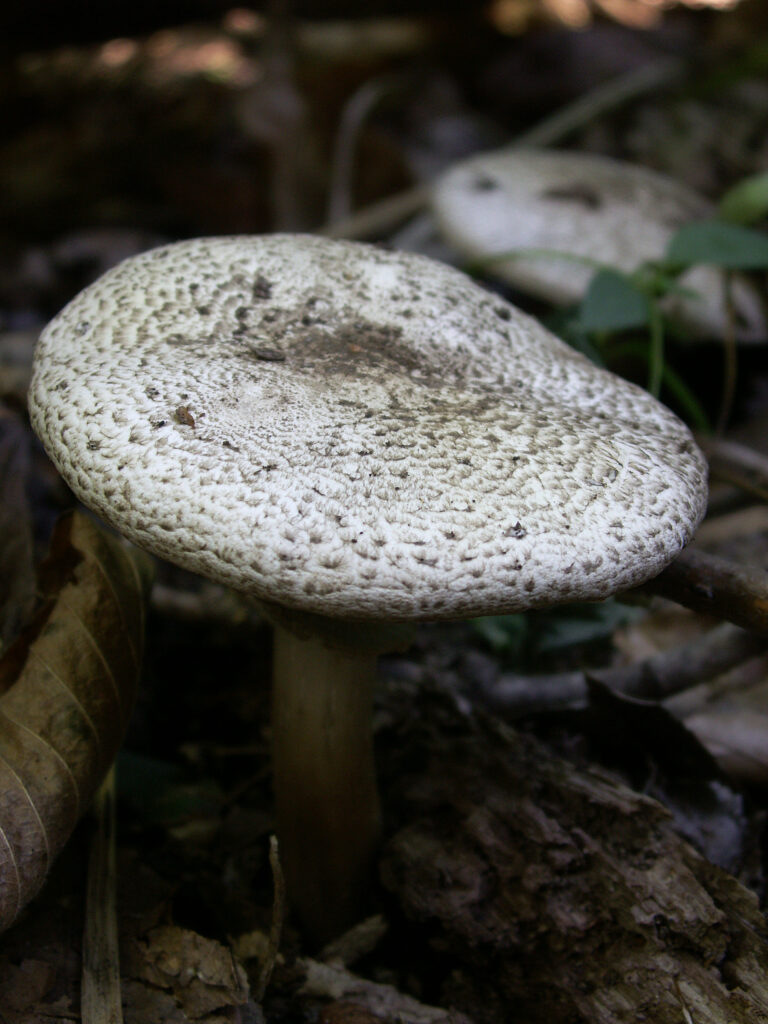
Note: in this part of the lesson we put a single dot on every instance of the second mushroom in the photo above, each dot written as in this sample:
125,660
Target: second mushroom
359,440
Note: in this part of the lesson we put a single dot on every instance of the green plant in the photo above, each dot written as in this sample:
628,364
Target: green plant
616,302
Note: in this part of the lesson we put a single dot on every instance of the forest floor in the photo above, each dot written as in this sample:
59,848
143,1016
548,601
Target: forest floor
593,857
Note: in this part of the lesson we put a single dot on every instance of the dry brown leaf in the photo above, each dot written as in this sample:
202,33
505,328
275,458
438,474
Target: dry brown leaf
737,738
195,975
67,688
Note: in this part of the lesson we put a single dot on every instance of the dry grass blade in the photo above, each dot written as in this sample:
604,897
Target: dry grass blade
67,687
386,214
100,999
278,917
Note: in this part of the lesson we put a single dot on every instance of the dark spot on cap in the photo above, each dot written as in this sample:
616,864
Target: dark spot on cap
576,193
517,531
484,183
267,355
262,288
184,416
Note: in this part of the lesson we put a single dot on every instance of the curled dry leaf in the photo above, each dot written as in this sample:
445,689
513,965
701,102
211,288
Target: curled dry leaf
190,973
67,687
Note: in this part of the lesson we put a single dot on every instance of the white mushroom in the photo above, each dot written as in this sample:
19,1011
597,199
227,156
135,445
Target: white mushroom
358,439
601,210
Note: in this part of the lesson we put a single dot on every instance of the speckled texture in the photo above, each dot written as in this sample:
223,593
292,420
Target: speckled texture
351,431
616,213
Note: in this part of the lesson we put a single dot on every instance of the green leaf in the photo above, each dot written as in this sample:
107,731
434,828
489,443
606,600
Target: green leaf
715,241
691,407
746,202
613,303
580,623
505,634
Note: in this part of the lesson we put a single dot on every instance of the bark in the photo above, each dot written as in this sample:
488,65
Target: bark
565,895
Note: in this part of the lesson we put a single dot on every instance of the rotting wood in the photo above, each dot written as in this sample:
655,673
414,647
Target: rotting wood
565,894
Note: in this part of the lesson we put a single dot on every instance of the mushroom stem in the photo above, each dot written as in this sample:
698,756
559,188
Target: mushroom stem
328,814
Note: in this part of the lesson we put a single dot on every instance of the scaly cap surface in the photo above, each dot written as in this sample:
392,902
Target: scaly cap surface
356,432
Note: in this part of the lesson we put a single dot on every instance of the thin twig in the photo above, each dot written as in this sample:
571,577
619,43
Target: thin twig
729,526
656,351
380,217
737,464
287,184
602,100
331,981
353,117
278,917
384,216
101,1001
730,359
655,678
715,586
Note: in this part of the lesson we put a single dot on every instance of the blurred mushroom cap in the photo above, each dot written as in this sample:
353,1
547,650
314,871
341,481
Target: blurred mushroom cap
591,207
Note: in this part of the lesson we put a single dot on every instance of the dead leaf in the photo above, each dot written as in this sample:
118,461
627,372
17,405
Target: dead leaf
737,738
67,688
197,975
22,986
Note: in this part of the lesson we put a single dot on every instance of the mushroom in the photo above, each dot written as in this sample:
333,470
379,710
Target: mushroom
359,440
594,208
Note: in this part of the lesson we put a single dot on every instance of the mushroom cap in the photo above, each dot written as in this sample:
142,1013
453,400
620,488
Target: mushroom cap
354,432
593,207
